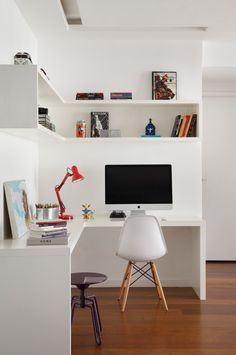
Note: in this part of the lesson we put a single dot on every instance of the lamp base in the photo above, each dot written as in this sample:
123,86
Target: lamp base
65,216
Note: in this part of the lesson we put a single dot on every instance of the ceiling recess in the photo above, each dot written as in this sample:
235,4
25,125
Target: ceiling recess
71,11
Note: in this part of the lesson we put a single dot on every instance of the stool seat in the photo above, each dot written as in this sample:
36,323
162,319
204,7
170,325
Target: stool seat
82,280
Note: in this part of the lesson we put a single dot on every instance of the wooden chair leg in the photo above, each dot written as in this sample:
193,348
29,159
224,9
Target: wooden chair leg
122,287
157,279
129,275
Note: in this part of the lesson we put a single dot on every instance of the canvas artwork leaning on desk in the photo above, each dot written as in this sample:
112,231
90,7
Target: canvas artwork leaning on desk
18,208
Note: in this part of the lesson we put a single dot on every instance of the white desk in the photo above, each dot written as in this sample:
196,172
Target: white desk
35,288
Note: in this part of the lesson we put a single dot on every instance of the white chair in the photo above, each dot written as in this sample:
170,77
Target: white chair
141,240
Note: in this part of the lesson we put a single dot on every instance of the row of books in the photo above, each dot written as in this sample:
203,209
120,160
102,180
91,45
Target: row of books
48,233
45,121
185,126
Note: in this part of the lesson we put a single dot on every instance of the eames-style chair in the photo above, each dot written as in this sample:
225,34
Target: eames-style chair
141,241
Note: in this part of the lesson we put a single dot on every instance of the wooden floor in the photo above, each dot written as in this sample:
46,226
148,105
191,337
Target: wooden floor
191,327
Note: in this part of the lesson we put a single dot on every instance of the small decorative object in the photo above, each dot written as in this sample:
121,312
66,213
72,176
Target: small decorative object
81,129
89,96
17,204
150,129
87,212
76,176
99,121
47,211
22,58
164,85
121,95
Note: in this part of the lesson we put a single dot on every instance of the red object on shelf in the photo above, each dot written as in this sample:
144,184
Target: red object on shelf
76,176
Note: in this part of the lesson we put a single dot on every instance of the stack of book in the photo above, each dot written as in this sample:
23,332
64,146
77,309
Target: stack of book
48,233
89,96
184,126
44,120
121,95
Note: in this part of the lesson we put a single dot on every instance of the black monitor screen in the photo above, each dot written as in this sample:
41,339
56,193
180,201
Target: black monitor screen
138,184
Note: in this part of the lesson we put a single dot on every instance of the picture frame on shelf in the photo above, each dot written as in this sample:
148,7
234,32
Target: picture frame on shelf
18,207
164,85
99,123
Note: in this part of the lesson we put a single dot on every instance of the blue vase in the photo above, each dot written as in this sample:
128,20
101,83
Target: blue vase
150,129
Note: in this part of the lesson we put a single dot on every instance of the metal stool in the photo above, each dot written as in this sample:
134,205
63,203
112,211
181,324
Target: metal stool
83,280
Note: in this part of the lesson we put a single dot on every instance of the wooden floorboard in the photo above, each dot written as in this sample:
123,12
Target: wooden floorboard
190,327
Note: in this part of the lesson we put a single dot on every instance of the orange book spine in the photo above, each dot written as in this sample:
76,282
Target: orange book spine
182,127
186,126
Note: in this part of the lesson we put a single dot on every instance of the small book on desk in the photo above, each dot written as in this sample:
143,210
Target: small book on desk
48,241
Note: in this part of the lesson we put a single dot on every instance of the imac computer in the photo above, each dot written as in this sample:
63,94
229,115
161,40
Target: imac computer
138,188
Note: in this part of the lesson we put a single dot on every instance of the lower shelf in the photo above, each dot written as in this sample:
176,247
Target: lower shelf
41,134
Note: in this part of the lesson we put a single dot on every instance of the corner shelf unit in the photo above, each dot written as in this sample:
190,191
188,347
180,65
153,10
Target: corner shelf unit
24,88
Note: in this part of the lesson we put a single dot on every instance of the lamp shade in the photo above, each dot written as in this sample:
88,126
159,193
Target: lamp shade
76,176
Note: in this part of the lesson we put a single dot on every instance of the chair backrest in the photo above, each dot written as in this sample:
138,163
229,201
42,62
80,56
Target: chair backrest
141,239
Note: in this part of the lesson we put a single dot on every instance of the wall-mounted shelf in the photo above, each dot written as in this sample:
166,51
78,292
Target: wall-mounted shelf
115,103
29,88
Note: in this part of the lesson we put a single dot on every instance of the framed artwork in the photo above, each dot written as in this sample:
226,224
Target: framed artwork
99,122
164,85
18,208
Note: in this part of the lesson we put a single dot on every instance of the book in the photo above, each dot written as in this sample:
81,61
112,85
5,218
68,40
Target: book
121,95
182,126
57,222
193,126
186,125
99,122
49,241
49,234
176,125
89,96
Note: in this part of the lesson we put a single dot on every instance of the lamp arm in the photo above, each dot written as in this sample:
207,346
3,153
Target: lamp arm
58,189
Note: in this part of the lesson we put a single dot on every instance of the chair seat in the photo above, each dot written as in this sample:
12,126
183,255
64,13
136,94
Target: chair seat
87,278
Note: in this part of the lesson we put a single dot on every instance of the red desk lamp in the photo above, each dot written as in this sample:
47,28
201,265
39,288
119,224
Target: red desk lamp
76,176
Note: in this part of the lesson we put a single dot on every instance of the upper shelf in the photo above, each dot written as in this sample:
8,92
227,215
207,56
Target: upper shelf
133,103
48,92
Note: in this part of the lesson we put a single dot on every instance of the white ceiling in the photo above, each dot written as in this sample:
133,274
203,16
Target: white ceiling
173,18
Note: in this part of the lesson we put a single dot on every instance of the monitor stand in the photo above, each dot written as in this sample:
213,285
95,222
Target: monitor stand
137,212
118,215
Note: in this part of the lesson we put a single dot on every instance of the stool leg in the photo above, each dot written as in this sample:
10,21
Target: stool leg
97,310
74,303
95,323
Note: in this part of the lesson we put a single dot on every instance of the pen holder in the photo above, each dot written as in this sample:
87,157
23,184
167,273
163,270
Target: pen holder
47,213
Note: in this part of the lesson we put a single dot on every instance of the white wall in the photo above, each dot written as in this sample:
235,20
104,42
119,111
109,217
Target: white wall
219,171
219,54
18,157
91,159
15,34
18,161
96,64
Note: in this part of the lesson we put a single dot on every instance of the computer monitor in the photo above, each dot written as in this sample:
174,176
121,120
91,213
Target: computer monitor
138,187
